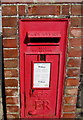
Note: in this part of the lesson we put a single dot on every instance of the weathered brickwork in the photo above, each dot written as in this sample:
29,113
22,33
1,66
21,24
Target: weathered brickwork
11,13
1,107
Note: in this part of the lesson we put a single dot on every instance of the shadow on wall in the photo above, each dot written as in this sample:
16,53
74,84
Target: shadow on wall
80,90
2,79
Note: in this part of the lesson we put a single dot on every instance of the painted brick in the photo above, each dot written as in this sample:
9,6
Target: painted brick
76,22
12,109
11,82
10,63
9,10
11,73
21,10
74,52
9,22
10,53
75,42
73,72
74,63
70,100
75,32
69,115
11,100
72,82
12,116
11,92
70,108
65,10
71,91
9,32
44,10
76,9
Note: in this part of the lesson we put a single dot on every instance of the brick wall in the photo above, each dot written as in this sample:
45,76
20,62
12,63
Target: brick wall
1,107
11,13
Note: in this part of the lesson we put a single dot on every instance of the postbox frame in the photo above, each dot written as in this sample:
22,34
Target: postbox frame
60,81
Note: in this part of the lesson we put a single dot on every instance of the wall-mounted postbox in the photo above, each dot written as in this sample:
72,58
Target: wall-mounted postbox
42,66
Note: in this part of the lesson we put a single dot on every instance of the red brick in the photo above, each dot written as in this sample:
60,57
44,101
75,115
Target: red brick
72,82
11,73
9,43
76,9
21,10
44,10
69,108
9,32
10,53
70,100
9,116
65,10
9,22
74,52
76,32
71,91
69,115
12,109
10,63
11,83
75,42
11,92
76,22
73,72
11,100
74,62
9,10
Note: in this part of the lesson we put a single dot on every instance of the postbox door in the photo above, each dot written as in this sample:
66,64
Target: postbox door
41,102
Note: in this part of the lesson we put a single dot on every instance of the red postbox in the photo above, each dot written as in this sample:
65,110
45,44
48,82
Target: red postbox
42,66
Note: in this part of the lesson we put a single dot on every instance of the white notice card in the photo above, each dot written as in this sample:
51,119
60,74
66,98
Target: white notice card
41,75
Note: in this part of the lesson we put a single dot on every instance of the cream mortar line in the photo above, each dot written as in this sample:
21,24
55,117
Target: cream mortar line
70,112
18,61
73,77
10,58
67,87
11,68
12,88
12,113
10,27
11,4
9,38
75,37
11,78
69,104
70,95
40,2
10,48
75,47
47,16
73,67
74,57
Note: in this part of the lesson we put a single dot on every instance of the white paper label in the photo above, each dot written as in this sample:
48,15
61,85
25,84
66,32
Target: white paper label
41,75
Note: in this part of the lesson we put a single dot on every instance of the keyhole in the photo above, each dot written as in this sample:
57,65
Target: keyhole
42,57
